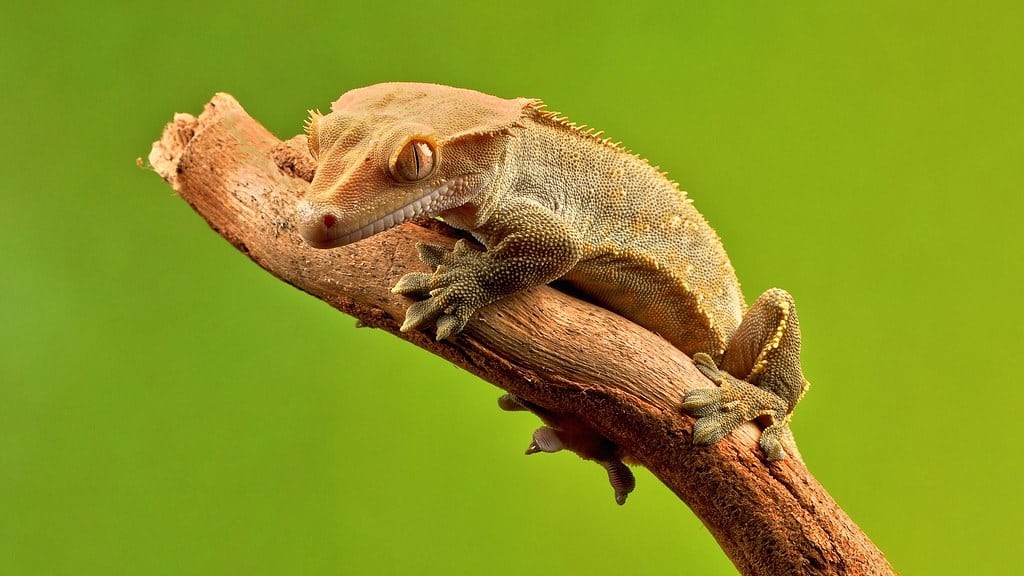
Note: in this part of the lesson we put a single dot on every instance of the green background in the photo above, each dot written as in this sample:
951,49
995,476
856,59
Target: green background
166,407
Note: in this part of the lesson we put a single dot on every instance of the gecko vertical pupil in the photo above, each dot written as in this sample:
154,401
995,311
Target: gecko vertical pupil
415,161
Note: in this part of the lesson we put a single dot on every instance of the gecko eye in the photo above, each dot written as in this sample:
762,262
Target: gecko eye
415,161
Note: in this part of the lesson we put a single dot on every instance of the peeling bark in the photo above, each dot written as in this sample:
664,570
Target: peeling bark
571,358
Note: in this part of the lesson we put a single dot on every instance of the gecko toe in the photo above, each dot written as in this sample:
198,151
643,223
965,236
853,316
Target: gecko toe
414,284
545,439
511,403
419,313
707,367
711,429
449,325
707,431
432,254
771,441
621,478
702,401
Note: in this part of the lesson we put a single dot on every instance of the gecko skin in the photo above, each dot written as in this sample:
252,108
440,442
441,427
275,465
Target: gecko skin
549,200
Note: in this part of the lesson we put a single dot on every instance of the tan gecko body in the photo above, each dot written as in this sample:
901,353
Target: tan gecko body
550,201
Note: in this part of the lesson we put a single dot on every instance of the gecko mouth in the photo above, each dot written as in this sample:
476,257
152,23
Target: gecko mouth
325,228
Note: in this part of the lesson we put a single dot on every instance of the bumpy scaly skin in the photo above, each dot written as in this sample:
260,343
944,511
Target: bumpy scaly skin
548,200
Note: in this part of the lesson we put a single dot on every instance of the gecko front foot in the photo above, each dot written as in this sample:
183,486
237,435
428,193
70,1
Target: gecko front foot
720,410
452,292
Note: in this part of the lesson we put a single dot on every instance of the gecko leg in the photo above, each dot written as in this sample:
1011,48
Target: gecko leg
465,279
759,379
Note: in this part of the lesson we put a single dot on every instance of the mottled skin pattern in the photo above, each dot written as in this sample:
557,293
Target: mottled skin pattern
550,201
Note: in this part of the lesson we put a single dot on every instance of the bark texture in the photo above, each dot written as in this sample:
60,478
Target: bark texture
572,358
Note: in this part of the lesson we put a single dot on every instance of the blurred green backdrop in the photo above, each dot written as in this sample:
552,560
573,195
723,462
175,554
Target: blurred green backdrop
166,407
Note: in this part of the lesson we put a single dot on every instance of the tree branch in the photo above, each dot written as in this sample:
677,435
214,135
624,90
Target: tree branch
569,357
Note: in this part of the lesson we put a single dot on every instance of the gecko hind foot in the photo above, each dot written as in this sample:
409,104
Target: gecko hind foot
722,409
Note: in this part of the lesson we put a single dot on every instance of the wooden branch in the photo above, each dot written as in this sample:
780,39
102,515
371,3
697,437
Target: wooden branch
567,356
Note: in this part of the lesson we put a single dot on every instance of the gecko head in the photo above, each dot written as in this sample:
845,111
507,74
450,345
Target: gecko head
393,152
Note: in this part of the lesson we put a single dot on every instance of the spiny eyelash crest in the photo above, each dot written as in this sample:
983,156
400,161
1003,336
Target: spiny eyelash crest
312,121
312,127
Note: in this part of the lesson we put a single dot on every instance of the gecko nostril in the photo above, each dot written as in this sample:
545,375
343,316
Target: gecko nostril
329,221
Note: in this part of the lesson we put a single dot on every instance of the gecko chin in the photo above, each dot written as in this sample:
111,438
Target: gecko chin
322,227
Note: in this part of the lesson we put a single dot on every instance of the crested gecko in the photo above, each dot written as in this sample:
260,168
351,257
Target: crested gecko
548,200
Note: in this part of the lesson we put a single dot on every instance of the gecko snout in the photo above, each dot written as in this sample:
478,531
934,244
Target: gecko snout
318,227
